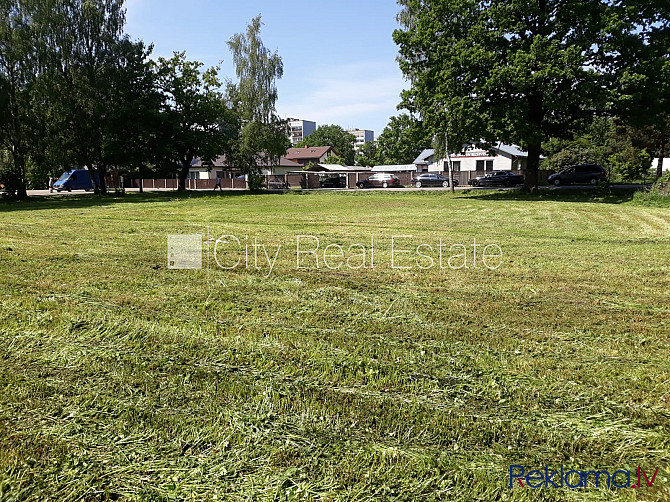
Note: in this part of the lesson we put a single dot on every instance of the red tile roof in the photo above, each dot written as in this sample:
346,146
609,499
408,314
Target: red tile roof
309,152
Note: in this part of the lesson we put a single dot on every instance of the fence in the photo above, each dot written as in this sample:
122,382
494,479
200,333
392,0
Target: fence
307,180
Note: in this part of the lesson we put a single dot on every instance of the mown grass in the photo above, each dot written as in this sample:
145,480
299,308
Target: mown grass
123,380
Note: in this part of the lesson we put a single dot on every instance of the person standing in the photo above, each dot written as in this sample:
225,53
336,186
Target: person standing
51,184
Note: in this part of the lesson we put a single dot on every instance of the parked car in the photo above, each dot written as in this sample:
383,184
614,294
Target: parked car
432,180
334,182
582,173
501,178
383,180
76,179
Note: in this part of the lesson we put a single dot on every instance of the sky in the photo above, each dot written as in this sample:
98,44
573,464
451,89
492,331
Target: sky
338,55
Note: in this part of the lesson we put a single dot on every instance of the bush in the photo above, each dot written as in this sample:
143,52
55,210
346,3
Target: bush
662,185
256,182
657,195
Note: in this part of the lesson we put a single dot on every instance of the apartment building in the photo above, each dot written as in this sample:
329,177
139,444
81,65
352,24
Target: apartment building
300,129
362,136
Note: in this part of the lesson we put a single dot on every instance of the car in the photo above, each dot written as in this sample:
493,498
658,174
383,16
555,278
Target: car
432,180
582,173
334,182
75,179
383,180
502,178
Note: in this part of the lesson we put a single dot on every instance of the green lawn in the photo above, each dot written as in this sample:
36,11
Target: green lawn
121,379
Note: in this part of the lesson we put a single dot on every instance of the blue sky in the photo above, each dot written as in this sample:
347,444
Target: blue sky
339,55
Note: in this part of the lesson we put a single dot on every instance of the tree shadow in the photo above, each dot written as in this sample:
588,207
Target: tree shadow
85,200
600,195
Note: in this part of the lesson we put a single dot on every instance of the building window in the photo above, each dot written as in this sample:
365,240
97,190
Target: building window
480,165
489,165
456,165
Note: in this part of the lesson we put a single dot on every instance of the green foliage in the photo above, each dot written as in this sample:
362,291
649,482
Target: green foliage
255,182
643,83
335,159
513,71
257,70
264,136
20,65
662,185
618,148
402,140
196,122
631,163
333,135
367,154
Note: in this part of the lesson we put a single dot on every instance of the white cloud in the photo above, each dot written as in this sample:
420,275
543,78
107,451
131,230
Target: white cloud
362,95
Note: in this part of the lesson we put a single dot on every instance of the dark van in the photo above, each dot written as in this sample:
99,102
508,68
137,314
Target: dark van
583,173
77,179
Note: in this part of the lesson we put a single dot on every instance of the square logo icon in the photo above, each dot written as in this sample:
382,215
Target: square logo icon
184,252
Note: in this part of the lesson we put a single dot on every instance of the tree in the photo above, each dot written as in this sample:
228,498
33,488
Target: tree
333,135
620,148
512,71
643,81
402,140
84,66
19,71
335,159
263,138
367,154
196,123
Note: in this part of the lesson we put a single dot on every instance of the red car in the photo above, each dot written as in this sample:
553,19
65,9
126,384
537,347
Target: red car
383,180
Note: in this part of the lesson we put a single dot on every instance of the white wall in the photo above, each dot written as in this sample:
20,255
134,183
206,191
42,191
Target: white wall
666,164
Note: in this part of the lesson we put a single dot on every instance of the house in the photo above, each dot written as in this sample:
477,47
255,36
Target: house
307,154
283,167
498,158
220,166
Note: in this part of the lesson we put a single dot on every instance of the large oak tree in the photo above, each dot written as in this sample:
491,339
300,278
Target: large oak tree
514,71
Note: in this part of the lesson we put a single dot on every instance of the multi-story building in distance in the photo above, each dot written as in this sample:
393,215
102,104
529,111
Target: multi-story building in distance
300,129
362,136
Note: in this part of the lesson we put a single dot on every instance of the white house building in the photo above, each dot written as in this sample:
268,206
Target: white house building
498,158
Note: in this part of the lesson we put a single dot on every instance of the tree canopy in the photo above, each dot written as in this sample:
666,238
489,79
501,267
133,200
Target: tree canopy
333,135
402,140
513,71
264,135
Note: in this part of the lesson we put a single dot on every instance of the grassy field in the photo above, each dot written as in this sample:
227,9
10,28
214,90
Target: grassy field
122,379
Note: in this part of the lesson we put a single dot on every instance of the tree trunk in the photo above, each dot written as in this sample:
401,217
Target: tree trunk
20,169
532,168
661,154
183,173
102,186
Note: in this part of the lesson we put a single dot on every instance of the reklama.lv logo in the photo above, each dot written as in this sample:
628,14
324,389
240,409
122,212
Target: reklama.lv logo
576,479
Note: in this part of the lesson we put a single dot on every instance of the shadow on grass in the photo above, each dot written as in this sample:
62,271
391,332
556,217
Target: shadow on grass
602,195
79,201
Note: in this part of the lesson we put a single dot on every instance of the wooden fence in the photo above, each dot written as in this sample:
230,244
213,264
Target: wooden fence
306,180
